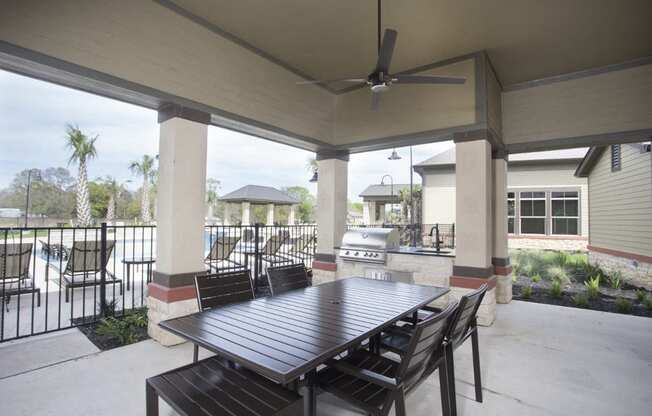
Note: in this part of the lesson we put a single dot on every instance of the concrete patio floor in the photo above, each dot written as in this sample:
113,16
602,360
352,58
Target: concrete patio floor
536,360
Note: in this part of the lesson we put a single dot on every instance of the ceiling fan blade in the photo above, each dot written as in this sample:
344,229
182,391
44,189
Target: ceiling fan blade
426,79
375,101
332,80
386,51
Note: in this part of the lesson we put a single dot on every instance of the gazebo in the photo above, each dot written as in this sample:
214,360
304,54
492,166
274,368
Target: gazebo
375,197
258,195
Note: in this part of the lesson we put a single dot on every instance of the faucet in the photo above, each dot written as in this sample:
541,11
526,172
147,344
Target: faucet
435,228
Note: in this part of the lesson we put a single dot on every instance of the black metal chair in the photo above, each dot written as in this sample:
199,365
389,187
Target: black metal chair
285,278
215,387
219,289
271,248
84,264
15,260
462,327
374,383
218,257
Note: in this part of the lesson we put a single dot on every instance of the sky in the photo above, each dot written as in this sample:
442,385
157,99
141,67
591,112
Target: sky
34,114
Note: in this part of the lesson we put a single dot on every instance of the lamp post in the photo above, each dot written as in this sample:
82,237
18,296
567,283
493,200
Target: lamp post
413,235
391,190
37,176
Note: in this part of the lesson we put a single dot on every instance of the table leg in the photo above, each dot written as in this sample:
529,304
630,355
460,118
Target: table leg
310,394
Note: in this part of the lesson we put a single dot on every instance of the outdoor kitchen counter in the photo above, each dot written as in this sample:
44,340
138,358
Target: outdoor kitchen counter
423,251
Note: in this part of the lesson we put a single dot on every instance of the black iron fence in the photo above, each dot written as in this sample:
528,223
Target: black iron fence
54,278
426,235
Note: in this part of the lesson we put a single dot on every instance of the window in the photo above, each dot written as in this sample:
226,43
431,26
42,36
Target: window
615,157
511,211
565,212
533,212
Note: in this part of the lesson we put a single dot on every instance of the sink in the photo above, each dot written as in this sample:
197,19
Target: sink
432,251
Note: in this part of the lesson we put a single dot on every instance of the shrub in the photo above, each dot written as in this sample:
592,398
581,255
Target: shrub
581,300
593,270
555,289
593,287
623,305
124,328
526,292
641,295
558,274
615,279
536,278
648,303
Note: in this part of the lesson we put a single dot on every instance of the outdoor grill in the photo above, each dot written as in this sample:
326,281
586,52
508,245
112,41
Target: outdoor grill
369,245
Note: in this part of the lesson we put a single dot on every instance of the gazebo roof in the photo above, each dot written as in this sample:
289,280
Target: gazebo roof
259,194
380,191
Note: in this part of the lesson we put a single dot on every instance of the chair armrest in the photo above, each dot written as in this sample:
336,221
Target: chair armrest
367,375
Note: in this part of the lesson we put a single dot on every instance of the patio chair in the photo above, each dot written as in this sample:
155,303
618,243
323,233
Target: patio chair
374,383
285,278
84,265
14,272
218,257
270,250
462,327
216,387
219,289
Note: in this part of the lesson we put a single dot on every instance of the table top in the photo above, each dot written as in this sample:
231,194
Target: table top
139,260
285,336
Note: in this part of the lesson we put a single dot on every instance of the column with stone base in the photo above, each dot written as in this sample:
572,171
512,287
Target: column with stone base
500,257
474,225
227,214
292,215
180,221
270,214
246,213
331,213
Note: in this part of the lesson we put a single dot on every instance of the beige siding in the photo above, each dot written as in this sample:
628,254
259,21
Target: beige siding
621,203
439,197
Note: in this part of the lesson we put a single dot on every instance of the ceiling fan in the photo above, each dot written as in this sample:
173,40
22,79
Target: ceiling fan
380,80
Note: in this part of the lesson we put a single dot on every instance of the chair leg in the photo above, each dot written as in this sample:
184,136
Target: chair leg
476,366
399,403
151,401
195,353
443,389
450,373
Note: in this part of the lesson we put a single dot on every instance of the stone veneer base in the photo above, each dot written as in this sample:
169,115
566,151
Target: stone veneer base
635,271
158,311
576,244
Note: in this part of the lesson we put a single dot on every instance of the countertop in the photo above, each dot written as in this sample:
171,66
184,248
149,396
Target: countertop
423,251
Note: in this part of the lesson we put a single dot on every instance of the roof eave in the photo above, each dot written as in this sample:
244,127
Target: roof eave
590,159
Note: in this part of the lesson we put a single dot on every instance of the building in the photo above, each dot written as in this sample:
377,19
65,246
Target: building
547,204
250,195
377,199
620,200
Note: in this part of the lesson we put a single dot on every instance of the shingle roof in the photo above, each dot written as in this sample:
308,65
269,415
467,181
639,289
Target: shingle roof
383,190
447,157
259,194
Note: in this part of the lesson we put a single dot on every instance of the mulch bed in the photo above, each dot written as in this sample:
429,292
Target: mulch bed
605,302
104,342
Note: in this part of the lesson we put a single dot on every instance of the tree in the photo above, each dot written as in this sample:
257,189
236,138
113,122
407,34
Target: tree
82,150
404,198
146,169
212,185
114,190
307,202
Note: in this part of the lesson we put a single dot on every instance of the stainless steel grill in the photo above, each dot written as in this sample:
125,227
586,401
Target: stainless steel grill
369,245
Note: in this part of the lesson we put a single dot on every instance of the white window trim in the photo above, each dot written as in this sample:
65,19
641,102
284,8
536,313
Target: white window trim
548,218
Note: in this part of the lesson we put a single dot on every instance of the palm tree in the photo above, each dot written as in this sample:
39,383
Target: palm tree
146,169
212,185
114,190
83,149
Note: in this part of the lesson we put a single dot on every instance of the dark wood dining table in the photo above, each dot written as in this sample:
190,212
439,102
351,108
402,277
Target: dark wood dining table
288,336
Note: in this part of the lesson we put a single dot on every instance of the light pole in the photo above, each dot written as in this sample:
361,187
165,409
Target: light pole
37,176
391,190
413,235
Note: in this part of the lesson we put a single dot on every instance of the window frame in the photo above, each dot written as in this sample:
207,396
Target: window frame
566,217
548,219
515,216
544,216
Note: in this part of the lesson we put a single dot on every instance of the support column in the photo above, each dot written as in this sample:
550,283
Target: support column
292,215
331,213
180,223
381,213
227,214
270,214
500,256
246,213
474,225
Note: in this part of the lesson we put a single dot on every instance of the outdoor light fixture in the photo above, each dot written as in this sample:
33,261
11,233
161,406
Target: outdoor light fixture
394,156
315,176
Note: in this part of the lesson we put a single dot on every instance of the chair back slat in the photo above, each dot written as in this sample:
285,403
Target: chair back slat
465,314
219,289
285,278
273,244
14,261
248,235
427,338
85,257
222,248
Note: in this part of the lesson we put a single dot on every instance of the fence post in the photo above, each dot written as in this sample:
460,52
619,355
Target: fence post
453,235
256,255
103,262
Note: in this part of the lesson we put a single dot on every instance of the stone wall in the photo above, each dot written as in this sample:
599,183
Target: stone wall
575,244
158,311
636,272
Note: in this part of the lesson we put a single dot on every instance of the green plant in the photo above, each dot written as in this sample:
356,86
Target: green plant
648,304
123,328
555,289
593,287
558,274
623,305
641,295
615,279
536,278
581,300
526,292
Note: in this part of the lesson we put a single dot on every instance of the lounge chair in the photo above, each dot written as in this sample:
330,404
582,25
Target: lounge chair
84,266
218,257
270,250
14,272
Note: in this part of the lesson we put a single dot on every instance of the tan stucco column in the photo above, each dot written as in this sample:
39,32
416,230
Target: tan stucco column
500,256
270,214
331,213
180,223
474,224
369,212
381,213
227,214
292,215
246,213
